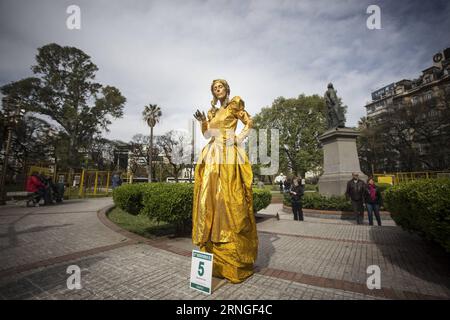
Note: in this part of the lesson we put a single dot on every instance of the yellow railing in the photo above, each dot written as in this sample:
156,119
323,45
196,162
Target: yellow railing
94,183
399,177
83,183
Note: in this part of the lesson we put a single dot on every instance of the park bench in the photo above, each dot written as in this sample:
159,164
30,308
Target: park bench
18,195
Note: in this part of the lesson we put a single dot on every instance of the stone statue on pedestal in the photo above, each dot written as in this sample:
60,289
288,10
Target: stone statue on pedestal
335,112
340,155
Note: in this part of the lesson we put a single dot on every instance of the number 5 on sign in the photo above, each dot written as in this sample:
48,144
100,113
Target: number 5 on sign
201,271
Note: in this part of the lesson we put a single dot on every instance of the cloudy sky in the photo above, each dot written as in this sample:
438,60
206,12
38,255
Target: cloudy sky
168,52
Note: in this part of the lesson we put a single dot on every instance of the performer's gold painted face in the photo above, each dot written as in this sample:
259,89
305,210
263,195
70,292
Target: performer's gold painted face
219,91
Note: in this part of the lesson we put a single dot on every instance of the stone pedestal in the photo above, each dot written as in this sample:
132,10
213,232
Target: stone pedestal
340,160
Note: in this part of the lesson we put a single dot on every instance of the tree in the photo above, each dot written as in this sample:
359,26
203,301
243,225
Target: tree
176,148
300,122
104,154
140,154
30,143
151,115
64,89
408,136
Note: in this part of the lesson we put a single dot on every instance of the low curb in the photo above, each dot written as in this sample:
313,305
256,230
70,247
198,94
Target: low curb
160,243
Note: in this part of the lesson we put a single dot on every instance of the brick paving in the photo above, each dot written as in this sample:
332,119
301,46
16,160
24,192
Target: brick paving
315,259
28,235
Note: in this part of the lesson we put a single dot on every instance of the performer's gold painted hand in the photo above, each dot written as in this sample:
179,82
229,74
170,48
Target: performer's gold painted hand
200,116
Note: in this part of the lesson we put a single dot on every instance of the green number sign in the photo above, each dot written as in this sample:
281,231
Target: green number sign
201,269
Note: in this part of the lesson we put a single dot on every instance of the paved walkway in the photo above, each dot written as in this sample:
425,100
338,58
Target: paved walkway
314,259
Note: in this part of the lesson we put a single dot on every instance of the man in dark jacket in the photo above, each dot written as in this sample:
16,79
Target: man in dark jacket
296,199
355,191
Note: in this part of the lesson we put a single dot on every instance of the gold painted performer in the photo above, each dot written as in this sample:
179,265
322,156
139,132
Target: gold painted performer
222,217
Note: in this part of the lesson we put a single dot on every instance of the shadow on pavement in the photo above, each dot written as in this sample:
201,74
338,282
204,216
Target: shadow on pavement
416,256
266,249
12,234
51,280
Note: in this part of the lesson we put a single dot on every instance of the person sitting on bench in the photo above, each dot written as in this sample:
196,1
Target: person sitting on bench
35,185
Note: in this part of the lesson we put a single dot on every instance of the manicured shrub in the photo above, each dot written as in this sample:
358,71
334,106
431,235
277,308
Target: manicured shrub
422,206
128,197
261,199
169,202
311,187
319,202
382,186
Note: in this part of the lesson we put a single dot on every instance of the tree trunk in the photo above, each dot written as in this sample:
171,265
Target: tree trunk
150,156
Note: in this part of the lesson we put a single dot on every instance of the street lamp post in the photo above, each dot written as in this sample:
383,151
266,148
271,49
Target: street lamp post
12,116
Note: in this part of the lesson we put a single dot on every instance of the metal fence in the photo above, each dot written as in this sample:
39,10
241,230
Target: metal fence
399,177
84,183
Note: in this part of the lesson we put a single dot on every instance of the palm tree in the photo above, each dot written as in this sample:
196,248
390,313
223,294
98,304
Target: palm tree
151,115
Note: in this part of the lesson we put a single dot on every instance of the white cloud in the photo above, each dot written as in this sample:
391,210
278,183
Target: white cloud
169,52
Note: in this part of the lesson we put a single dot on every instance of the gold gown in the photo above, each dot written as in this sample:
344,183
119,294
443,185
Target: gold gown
222,217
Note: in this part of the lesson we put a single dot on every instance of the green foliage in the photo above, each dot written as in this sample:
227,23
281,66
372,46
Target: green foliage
319,202
128,197
140,224
382,187
65,90
422,206
300,122
311,187
169,202
261,199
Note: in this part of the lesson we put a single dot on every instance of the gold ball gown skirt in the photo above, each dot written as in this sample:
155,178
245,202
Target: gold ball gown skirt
223,219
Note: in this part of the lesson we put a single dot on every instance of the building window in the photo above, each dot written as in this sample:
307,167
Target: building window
428,95
415,100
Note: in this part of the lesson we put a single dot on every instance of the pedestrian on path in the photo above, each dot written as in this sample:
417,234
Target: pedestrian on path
297,192
116,180
287,185
355,191
373,201
280,180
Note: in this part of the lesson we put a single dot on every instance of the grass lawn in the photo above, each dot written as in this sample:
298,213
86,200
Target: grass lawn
141,225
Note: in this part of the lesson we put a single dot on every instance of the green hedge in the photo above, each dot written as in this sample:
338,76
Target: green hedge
311,187
128,197
422,206
169,202
382,186
261,199
319,202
